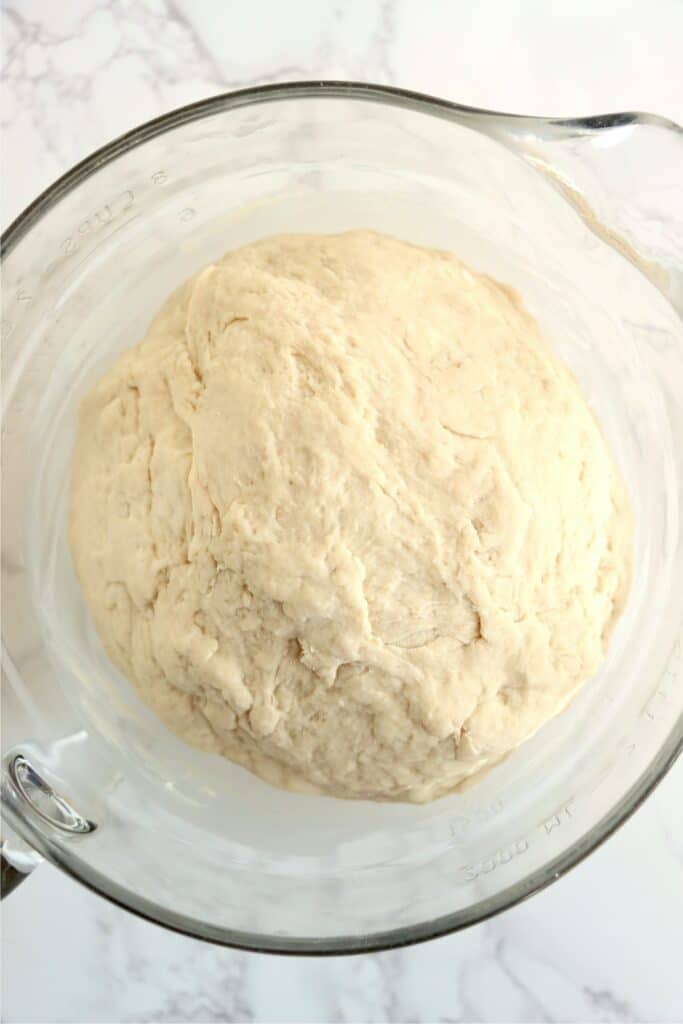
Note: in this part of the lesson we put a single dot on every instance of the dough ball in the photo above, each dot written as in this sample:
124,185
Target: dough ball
343,518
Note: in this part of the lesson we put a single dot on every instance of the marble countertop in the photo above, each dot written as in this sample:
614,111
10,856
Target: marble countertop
604,943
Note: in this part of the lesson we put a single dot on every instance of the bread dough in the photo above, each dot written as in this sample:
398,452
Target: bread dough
343,518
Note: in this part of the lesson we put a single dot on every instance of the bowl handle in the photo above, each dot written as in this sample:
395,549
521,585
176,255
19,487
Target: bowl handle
32,806
17,861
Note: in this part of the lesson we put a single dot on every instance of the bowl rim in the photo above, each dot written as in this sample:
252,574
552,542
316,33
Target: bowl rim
485,119
490,122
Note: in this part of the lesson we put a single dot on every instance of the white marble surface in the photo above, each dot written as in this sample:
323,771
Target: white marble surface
603,944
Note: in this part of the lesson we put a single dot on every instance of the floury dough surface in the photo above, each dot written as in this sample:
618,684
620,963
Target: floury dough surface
343,518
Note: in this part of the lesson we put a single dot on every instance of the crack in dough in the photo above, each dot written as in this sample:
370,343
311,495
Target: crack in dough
343,518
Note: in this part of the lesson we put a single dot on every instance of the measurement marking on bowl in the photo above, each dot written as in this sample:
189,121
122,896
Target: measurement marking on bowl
557,819
458,827
100,218
6,325
489,864
507,853
650,709
461,824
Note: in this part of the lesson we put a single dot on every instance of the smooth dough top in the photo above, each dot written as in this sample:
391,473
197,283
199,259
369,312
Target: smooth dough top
343,518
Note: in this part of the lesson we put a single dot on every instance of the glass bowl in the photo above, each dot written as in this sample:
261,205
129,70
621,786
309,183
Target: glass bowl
585,217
